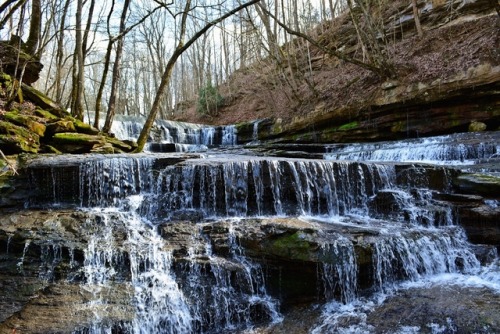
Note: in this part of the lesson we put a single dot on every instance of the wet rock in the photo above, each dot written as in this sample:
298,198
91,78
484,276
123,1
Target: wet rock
450,308
481,223
65,307
487,185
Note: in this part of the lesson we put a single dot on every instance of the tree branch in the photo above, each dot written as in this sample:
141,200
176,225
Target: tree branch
14,171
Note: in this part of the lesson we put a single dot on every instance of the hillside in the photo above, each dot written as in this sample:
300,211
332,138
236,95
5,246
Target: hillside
450,75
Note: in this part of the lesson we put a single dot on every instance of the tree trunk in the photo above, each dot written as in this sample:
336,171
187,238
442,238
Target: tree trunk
417,19
115,80
78,80
100,92
35,26
60,53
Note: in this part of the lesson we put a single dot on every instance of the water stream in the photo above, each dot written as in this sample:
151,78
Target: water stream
183,233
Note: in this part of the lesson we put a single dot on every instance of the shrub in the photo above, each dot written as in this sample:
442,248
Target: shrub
209,100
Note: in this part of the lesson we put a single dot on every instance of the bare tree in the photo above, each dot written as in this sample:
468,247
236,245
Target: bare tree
179,50
116,71
78,69
107,57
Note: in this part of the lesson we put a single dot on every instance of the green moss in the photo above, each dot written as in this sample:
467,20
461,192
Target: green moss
120,145
293,246
348,126
16,139
84,127
4,77
77,139
26,121
61,126
482,184
42,100
46,114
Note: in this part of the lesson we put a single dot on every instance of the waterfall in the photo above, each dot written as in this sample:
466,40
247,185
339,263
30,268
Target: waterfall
192,243
457,149
421,253
339,270
260,187
229,135
233,295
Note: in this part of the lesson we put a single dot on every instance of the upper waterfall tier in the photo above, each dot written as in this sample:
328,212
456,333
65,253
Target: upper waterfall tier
164,131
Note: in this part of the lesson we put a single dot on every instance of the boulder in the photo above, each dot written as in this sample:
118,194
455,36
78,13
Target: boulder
73,142
13,57
487,185
60,126
43,101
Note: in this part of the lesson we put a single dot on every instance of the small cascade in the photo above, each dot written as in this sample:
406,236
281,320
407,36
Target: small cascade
187,137
339,270
122,248
420,253
229,135
228,293
457,149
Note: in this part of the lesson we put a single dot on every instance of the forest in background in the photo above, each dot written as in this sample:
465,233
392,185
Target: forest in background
165,59
145,33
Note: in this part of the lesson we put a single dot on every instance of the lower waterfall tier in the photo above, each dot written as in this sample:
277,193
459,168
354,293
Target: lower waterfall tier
117,273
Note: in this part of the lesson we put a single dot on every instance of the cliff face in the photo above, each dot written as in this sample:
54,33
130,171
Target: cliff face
443,82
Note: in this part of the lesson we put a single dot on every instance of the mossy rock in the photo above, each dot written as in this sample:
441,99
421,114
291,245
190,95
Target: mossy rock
293,246
61,126
16,139
77,138
72,142
107,148
486,185
49,150
14,144
83,127
477,127
46,115
26,121
120,145
43,101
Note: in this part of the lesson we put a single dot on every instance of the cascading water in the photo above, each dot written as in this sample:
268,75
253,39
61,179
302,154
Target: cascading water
457,149
179,243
